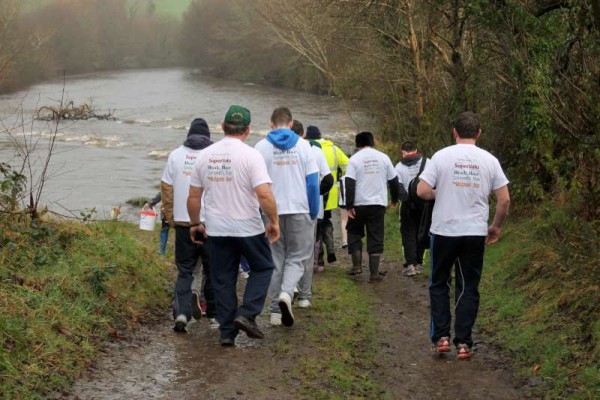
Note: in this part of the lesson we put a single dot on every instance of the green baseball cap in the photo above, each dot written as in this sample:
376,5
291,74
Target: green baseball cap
237,116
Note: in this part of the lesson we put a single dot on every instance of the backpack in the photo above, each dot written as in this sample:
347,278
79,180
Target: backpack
415,202
421,207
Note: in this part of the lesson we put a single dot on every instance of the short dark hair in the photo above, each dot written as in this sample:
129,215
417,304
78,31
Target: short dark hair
298,128
467,125
233,129
408,146
281,116
365,139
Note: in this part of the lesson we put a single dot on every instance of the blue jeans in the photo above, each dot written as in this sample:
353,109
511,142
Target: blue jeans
229,250
187,255
466,254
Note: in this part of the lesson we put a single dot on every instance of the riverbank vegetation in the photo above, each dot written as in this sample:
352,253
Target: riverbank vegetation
65,289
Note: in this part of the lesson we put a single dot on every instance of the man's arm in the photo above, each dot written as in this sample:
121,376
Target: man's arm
166,194
194,204
326,184
269,206
425,191
503,197
396,190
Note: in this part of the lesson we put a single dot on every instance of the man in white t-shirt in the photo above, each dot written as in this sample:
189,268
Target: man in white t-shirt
236,186
175,183
463,176
410,213
295,174
326,182
368,176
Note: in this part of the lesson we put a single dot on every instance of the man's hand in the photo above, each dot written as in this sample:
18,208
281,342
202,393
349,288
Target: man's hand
351,213
195,230
272,232
493,235
393,206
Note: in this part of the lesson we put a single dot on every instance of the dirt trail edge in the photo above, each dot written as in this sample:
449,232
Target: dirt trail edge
156,363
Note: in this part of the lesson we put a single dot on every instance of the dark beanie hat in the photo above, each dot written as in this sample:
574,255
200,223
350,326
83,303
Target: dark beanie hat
313,132
199,127
365,139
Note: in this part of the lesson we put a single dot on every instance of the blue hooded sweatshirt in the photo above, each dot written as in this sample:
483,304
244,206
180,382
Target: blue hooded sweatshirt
285,139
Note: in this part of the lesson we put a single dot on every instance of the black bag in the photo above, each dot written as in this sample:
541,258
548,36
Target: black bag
421,207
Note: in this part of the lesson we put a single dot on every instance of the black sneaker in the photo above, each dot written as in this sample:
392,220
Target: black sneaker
227,342
249,326
196,307
331,258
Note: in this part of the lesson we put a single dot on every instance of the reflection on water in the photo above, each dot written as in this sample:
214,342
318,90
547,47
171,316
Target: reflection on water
102,164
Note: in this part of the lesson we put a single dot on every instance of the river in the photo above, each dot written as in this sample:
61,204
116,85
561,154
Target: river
100,164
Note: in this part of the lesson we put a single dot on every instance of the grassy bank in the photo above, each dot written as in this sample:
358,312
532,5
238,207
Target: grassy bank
539,299
66,288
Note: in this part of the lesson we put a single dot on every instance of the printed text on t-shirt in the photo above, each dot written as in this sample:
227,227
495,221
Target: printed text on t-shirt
219,168
371,166
285,157
466,174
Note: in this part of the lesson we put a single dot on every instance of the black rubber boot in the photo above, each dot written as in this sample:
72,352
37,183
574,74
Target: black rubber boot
374,260
356,263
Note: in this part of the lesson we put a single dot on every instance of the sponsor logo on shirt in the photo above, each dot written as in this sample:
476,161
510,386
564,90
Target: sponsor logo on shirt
219,168
188,164
466,174
286,157
371,166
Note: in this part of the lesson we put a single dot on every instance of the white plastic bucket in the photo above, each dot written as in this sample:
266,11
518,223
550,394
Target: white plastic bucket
148,217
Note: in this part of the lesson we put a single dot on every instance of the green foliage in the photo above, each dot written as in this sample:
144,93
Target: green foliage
539,300
12,185
66,288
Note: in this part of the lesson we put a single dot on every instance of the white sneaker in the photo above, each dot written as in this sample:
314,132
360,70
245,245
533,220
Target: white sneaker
180,323
285,305
275,319
304,303
419,269
409,271
213,323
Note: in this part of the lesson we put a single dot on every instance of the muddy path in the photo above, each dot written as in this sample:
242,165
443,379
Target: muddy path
156,363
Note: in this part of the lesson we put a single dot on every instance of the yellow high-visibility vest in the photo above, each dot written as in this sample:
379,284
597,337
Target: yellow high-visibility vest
335,159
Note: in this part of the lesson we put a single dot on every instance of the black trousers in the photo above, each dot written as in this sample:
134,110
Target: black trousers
466,254
325,236
187,255
409,229
371,218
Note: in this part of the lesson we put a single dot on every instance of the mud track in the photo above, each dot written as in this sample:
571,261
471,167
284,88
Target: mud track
156,363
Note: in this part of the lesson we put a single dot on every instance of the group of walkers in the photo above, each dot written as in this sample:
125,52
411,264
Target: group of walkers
268,207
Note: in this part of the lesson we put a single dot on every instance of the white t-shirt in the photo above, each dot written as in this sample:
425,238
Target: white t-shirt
464,175
177,173
229,171
371,169
288,169
406,173
323,170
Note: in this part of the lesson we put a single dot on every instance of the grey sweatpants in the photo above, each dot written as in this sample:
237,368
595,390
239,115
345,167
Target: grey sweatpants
305,284
290,253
